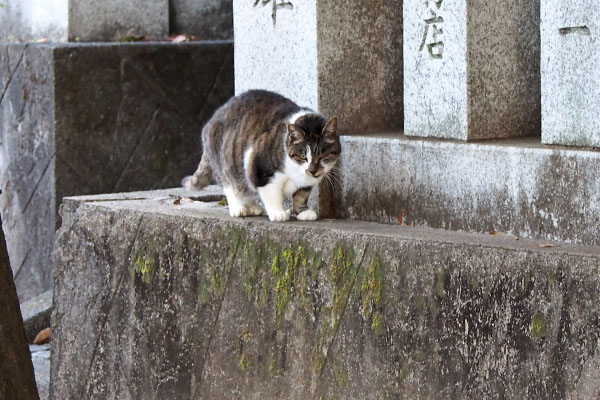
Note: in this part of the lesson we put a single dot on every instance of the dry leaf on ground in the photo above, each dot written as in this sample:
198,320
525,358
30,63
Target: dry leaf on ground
43,336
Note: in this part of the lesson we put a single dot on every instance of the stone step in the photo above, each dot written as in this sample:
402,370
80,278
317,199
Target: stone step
514,186
160,297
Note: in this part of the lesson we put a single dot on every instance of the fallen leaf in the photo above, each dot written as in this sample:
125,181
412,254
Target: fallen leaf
545,245
177,200
186,200
43,336
496,233
401,217
223,202
43,40
178,39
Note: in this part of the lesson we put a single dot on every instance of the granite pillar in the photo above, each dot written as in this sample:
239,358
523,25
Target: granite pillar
471,68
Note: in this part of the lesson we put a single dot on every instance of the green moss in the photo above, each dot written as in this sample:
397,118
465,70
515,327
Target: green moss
372,293
341,376
440,283
539,326
419,356
145,266
244,363
203,294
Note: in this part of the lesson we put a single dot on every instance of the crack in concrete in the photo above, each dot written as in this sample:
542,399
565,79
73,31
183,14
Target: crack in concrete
339,322
135,147
215,323
12,74
84,387
21,265
214,84
37,184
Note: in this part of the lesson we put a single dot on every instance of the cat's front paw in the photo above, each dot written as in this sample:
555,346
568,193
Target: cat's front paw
307,215
279,216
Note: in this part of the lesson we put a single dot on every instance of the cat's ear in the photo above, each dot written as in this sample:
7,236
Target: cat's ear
295,133
330,132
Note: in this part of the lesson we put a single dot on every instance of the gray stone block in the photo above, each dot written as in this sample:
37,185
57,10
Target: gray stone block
31,20
570,72
97,118
471,68
17,380
205,19
157,300
343,60
518,187
111,20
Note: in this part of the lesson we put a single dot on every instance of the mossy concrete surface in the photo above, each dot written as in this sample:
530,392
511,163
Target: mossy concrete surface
157,300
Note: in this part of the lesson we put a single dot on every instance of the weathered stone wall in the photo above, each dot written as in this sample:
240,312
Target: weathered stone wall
96,118
155,300
17,381
522,188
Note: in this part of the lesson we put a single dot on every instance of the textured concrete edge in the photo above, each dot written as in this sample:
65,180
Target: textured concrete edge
518,187
456,263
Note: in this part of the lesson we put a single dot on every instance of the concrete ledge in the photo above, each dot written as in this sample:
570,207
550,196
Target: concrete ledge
518,186
156,300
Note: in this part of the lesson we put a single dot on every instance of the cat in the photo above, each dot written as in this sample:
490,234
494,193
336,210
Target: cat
261,145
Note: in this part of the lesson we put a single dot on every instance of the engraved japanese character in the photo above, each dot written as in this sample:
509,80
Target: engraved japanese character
433,38
276,6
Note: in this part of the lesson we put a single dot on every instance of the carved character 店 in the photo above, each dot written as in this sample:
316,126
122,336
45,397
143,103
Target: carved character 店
433,38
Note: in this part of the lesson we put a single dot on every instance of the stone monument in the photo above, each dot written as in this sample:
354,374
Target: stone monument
471,68
570,72
342,59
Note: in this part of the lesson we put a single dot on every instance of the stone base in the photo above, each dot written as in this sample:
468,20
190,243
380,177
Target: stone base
96,118
158,300
518,187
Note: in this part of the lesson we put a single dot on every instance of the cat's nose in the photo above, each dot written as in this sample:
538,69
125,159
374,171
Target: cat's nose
312,170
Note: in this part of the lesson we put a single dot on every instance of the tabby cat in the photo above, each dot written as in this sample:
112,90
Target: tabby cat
262,145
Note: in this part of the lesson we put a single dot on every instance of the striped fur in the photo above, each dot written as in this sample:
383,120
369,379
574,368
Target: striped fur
261,144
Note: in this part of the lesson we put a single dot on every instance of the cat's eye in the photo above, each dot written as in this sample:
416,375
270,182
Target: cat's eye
302,157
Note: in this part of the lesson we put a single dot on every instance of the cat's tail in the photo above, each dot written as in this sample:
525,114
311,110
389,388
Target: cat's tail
202,177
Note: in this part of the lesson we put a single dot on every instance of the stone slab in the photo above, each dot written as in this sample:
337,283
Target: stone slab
205,19
518,187
471,69
31,20
40,357
112,20
344,61
17,379
157,300
96,118
36,314
570,39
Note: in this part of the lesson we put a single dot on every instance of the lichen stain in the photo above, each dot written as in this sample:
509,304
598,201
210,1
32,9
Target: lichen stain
146,266
539,326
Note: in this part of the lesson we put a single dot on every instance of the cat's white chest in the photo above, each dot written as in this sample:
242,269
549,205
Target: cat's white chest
297,177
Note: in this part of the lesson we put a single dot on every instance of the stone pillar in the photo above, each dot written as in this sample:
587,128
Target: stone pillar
112,20
17,380
471,68
343,59
570,72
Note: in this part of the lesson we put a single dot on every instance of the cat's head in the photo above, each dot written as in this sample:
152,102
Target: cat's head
314,144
